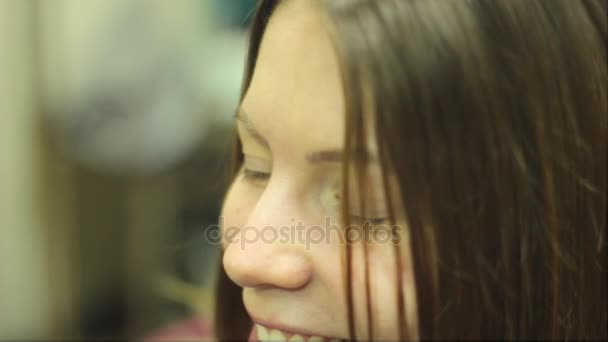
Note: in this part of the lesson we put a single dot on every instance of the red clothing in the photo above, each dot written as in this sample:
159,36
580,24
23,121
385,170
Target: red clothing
195,329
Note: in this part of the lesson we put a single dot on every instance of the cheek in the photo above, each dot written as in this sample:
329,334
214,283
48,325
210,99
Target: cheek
383,282
384,287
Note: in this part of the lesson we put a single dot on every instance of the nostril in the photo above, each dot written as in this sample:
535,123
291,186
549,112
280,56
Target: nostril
292,270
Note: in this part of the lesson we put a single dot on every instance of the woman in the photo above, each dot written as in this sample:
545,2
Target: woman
459,145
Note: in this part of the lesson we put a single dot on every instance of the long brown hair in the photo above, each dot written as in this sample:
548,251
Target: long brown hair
493,114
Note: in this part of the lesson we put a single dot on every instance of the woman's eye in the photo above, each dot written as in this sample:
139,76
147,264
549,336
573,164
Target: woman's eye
255,177
256,171
371,221
332,200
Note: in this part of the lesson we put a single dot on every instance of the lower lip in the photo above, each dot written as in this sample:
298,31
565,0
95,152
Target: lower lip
253,337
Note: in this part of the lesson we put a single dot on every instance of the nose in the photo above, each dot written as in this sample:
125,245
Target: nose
264,253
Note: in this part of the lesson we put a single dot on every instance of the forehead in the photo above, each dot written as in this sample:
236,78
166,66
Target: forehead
295,95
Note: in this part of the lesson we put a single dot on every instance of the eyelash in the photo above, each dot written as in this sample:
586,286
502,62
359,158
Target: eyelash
257,176
252,175
374,221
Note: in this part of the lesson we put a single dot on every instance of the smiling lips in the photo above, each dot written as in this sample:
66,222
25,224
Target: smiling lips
262,333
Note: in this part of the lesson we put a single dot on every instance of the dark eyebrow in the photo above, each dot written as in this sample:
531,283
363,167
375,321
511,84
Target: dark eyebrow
316,157
241,115
337,156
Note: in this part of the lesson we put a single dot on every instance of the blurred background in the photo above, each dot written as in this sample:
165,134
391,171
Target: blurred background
115,136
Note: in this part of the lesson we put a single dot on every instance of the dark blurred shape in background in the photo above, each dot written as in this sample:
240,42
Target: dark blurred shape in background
117,120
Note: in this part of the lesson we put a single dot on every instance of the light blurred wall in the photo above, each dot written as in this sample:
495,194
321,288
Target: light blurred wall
122,224
73,239
22,275
35,280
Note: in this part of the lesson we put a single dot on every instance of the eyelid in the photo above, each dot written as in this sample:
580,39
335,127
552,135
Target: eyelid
245,128
257,164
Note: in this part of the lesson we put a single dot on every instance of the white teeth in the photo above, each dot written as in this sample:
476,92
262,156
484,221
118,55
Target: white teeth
265,334
262,332
296,338
276,335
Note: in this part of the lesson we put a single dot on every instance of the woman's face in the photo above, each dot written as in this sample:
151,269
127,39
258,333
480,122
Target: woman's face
281,214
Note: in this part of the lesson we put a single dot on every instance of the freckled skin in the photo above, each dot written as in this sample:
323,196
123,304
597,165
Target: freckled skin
295,102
